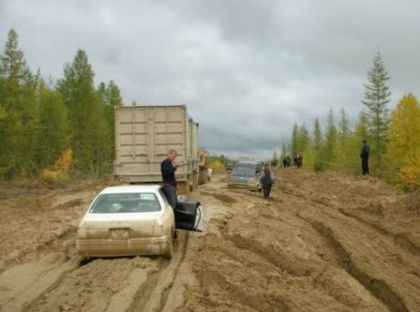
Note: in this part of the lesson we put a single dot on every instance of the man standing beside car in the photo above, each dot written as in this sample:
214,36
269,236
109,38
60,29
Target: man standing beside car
168,168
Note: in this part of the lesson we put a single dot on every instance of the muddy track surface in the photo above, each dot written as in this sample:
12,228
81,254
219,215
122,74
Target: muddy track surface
325,242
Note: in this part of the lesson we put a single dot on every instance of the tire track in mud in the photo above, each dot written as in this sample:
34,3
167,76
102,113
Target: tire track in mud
56,240
153,295
399,239
47,277
144,288
377,287
237,248
272,254
261,302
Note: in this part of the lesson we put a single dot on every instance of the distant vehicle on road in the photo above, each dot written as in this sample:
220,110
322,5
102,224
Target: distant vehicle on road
229,166
245,175
133,220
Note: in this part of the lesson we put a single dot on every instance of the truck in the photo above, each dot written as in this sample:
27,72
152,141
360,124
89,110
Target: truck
143,137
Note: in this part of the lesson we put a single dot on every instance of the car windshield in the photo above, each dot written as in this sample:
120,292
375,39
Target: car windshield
126,202
247,170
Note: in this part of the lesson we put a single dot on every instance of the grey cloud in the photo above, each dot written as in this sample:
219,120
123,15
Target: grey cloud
246,69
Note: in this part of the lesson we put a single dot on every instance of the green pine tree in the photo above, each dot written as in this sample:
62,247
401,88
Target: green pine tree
110,97
295,139
328,153
284,150
18,126
90,138
343,149
376,97
53,136
317,146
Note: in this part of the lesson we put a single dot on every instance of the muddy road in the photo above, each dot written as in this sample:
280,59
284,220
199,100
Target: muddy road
326,242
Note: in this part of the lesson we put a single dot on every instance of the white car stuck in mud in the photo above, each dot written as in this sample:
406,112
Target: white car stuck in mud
133,220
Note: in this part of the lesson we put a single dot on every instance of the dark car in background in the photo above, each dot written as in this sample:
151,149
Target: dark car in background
245,175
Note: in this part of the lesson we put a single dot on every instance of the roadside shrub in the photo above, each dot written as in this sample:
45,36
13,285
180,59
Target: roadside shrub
217,165
59,173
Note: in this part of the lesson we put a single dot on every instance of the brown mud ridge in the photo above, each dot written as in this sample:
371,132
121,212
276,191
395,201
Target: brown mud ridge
326,242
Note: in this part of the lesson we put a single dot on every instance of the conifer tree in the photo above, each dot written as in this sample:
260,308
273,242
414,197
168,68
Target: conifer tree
344,150
53,136
376,97
328,154
303,139
317,146
110,97
295,139
284,151
18,125
90,135
343,126
317,135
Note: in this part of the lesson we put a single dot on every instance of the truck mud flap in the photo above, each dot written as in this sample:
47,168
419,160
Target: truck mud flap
188,215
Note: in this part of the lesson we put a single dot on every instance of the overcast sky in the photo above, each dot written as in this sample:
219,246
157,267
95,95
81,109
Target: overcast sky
247,70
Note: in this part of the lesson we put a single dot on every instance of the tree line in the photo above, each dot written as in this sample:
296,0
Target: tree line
47,125
394,136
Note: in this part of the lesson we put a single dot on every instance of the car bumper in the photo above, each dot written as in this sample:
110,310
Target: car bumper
255,187
89,247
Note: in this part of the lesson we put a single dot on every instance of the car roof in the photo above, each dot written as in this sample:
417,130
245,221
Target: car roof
131,189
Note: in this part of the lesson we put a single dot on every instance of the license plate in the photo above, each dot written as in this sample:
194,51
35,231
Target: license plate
120,233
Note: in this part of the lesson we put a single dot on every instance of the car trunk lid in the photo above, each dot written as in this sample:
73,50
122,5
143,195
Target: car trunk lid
117,226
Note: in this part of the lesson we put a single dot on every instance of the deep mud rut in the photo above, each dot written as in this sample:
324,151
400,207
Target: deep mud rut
326,242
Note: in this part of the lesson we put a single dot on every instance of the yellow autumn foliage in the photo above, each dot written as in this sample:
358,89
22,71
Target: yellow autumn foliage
60,171
404,142
216,165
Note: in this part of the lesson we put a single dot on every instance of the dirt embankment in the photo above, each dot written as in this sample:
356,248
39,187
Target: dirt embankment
326,242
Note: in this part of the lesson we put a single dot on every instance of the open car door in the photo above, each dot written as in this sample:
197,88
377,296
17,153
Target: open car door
188,215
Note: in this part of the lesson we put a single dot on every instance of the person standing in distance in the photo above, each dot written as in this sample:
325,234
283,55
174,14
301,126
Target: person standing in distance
168,168
364,155
266,181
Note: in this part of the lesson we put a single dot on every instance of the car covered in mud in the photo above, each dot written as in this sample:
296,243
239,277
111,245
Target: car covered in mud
133,220
245,175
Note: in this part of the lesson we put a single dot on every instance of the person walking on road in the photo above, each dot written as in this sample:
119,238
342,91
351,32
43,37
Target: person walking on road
267,181
364,155
289,161
298,160
285,162
168,168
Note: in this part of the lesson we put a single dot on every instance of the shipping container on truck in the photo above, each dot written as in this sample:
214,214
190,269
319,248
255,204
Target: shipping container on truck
143,137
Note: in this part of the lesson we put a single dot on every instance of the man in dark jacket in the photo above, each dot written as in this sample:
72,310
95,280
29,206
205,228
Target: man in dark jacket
266,181
364,154
168,168
285,162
